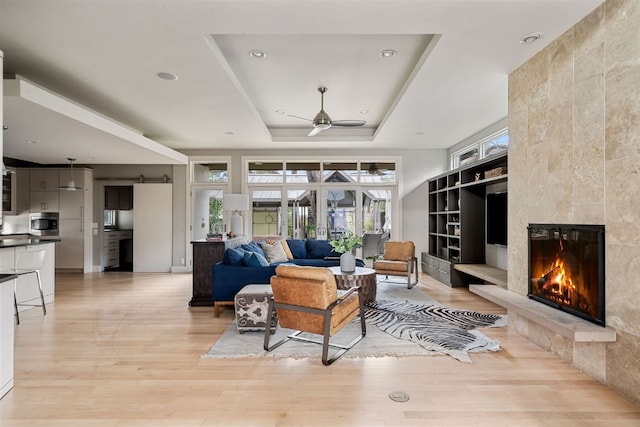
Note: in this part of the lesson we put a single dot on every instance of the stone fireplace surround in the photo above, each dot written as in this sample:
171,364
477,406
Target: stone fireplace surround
574,138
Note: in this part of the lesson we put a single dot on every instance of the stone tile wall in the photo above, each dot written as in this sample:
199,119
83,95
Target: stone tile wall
574,157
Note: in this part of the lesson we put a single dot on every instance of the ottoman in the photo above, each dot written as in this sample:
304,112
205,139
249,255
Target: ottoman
251,304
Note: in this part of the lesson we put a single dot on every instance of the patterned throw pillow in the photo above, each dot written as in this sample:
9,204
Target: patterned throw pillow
274,252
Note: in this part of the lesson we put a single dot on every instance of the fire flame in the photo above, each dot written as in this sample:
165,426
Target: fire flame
558,283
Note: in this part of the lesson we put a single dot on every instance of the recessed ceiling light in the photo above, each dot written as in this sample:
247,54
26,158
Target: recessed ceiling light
229,133
530,38
364,111
32,142
258,54
420,132
280,111
167,76
388,53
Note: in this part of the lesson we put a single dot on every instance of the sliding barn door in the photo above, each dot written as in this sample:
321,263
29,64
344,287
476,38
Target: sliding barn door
152,227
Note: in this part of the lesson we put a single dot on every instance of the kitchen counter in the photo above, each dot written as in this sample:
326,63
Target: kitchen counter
12,241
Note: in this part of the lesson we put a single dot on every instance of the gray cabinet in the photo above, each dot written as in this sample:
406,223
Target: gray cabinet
457,215
118,197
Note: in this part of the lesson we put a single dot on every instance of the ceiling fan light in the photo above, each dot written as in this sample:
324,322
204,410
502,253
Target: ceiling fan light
323,126
71,186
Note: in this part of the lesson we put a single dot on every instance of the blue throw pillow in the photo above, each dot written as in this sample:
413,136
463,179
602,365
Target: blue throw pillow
297,248
253,259
318,249
233,256
253,247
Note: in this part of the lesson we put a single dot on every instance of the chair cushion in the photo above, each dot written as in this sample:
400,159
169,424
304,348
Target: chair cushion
399,251
298,248
274,252
233,256
254,259
383,264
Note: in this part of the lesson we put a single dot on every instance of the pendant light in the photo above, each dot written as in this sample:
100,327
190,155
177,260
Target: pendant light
71,185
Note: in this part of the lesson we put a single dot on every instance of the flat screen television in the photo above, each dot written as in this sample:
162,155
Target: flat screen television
497,218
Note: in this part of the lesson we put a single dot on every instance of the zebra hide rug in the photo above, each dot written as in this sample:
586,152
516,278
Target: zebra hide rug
435,327
404,322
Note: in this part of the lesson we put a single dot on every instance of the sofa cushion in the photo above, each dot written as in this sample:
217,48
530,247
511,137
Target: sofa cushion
298,248
254,259
287,251
253,247
319,249
233,256
274,252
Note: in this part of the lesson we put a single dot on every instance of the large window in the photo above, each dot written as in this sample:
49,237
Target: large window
321,198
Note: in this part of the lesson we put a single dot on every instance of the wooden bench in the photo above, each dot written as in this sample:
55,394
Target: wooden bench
485,272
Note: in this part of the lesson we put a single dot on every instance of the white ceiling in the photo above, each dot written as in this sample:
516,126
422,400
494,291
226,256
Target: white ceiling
448,81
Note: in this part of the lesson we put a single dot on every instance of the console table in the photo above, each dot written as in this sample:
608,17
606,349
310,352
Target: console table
205,254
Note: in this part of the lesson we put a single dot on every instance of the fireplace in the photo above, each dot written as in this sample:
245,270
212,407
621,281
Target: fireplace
566,268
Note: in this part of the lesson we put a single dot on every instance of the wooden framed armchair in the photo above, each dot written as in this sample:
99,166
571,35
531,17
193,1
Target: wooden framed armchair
399,259
306,300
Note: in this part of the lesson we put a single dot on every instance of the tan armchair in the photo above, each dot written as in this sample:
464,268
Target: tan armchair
399,259
306,300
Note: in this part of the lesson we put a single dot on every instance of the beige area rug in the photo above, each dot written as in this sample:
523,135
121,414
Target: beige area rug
402,322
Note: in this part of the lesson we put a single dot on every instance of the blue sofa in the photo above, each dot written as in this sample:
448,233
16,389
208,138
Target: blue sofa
232,273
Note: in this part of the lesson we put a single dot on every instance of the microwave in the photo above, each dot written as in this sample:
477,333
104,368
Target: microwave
43,223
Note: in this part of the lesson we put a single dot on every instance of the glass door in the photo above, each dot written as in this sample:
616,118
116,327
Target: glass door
207,212
266,213
340,212
301,214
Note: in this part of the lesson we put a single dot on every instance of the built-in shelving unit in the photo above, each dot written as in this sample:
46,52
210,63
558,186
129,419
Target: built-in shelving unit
457,215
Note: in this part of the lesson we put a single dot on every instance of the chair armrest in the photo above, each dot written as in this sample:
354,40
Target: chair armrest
349,292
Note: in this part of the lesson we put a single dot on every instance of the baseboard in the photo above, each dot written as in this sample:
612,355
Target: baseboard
180,269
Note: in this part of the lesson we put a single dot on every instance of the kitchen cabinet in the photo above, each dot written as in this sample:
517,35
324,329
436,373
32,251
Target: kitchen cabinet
44,201
22,190
111,249
71,247
75,251
43,179
9,192
118,197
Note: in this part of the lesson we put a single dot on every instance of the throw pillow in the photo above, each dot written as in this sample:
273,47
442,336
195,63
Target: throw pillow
298,248
274,252
253,259
233,256
285,247
319,249
253,247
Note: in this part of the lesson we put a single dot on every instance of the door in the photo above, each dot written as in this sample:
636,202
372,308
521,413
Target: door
340,211
207,212
152,227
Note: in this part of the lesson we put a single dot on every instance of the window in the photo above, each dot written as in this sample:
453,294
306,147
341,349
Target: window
491,145
210,172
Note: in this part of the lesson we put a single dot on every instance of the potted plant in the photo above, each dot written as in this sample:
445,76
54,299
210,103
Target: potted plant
346,245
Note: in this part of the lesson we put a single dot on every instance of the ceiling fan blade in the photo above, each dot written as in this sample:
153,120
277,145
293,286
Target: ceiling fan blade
299,118
315,131
348,123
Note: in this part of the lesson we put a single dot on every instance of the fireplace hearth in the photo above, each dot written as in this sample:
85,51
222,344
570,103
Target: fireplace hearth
566,268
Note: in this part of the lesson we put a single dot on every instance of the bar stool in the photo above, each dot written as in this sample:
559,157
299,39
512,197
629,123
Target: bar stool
28,263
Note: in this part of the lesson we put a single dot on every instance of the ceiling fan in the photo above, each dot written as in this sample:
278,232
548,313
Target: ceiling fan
322,121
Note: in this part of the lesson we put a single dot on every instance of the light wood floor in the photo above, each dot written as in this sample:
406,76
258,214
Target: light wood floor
123,349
